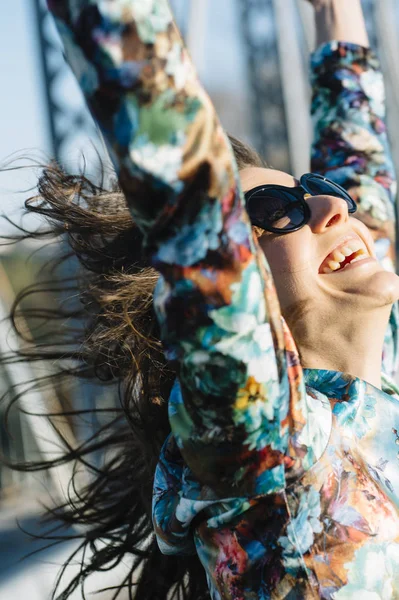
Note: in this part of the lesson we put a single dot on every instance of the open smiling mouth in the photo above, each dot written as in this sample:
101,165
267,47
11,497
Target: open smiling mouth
349,252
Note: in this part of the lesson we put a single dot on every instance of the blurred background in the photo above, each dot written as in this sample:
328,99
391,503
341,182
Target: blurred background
252,56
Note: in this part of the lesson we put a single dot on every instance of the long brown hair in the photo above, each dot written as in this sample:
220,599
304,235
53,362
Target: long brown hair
108,334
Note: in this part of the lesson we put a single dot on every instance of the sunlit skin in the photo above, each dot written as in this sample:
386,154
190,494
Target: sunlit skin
338,320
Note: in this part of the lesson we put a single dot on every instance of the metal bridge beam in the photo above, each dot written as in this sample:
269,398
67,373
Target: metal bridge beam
258,21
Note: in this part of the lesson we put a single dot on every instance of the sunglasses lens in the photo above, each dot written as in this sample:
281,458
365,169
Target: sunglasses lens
276,210
318,186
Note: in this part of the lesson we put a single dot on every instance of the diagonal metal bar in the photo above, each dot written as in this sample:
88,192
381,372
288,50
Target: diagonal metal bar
67,115
41,16
258,22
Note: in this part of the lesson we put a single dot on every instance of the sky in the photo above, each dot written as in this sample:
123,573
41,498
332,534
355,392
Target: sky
23,121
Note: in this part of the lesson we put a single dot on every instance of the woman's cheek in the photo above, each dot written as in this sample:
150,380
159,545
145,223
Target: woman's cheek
290,263
286,256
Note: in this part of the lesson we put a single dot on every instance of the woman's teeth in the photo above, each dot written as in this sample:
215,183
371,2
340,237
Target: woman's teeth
333,266
338,257
346,255
347,251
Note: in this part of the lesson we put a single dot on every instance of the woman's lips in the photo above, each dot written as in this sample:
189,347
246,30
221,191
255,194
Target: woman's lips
354,265
350,252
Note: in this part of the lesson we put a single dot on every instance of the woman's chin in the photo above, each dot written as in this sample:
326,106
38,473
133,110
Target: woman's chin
389,284
381,288
368,284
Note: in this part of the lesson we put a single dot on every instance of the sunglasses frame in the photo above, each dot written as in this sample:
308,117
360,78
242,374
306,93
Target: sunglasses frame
298,194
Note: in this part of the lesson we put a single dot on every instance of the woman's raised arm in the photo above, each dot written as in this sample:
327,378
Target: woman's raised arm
350,141
236,414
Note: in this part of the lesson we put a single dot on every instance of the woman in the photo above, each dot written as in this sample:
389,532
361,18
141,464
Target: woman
281,472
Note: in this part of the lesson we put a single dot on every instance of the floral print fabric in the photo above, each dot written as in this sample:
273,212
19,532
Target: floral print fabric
350,143
282,490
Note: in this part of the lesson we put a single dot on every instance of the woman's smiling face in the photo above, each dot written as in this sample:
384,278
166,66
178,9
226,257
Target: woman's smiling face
307,265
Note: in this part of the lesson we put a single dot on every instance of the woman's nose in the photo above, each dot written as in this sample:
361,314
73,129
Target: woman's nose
326,211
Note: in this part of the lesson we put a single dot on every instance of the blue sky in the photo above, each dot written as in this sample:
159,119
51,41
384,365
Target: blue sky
22,120
23,124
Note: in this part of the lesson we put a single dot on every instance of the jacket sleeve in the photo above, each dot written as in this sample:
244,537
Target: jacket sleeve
350,144
351,147
240,407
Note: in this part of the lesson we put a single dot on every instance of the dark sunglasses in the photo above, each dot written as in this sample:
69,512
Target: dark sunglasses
281,209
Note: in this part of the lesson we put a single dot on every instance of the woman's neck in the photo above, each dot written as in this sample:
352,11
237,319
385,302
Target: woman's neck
347,345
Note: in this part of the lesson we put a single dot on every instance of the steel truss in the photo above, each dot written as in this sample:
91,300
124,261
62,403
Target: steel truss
269,125
70,125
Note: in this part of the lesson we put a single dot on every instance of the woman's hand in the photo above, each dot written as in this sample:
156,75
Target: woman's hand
340,20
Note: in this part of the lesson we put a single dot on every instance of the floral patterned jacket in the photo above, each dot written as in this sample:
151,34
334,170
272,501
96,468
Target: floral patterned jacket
285,482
